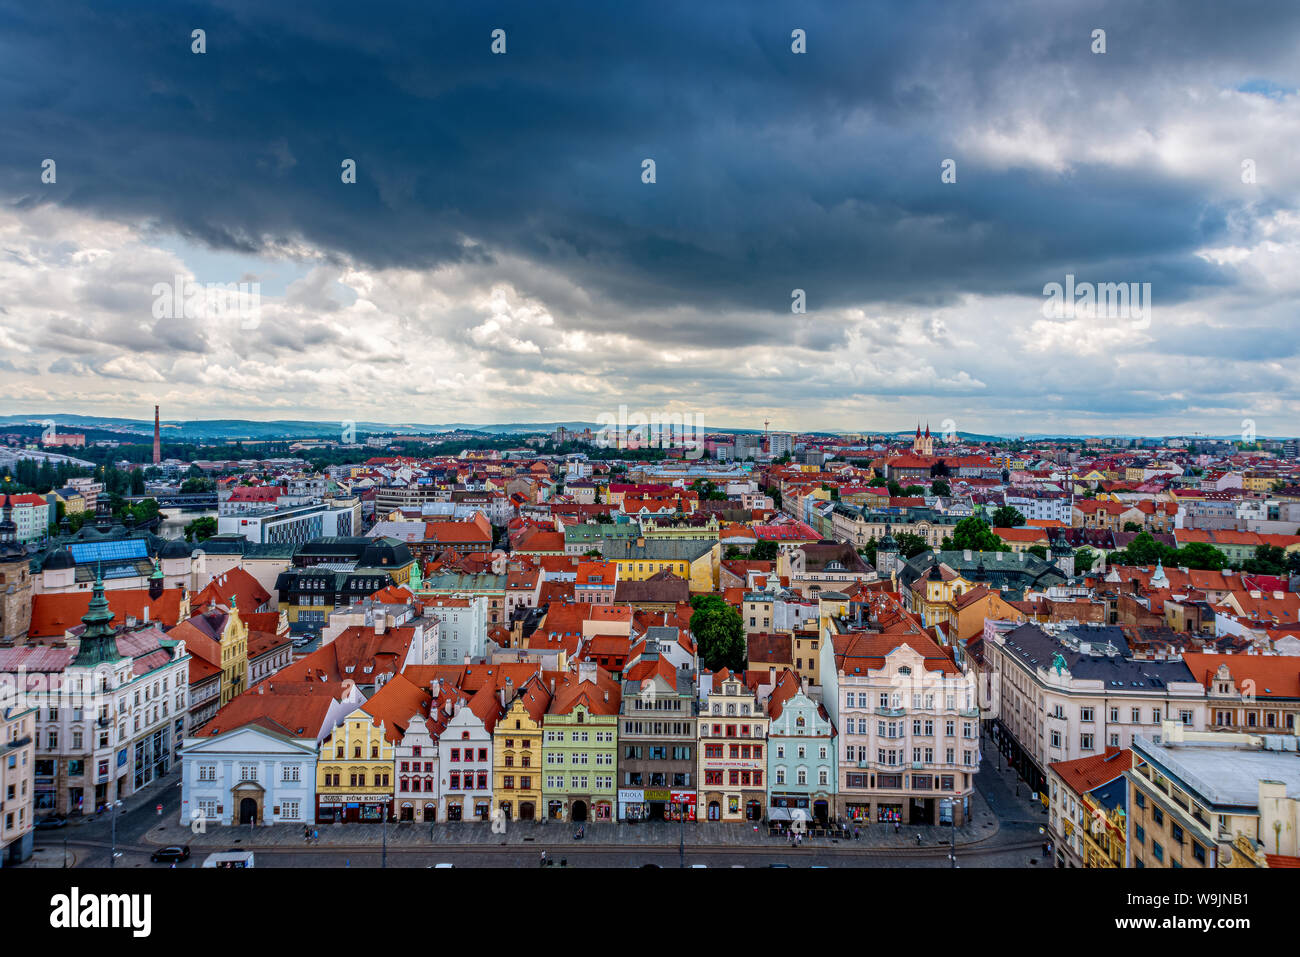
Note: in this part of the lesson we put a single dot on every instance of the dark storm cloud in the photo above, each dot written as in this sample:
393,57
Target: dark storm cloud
775,171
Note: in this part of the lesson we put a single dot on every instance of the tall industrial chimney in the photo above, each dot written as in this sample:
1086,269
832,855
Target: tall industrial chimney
157,438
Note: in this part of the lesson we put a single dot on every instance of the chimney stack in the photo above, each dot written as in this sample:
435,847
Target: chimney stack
157,437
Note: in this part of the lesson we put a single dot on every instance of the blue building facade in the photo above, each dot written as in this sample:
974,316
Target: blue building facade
801,755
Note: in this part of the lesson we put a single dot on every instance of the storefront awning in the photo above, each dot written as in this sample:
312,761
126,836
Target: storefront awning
778,814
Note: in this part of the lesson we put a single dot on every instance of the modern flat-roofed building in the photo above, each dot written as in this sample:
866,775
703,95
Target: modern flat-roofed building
1213,799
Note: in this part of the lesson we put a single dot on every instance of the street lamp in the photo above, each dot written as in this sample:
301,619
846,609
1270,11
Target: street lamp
952,824
681,830
113,858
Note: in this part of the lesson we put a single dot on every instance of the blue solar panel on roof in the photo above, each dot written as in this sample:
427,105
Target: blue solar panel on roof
86,552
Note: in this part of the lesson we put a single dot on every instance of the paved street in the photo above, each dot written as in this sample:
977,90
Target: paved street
1003,832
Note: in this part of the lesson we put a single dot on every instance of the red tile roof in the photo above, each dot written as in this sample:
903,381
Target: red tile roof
1087,774
1274,676
54,614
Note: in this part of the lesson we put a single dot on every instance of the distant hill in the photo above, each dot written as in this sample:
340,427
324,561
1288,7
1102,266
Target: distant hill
223,430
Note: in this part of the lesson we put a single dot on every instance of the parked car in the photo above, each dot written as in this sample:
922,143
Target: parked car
174,854
50,821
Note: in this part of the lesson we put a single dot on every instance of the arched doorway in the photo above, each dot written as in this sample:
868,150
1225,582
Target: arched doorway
527,811
715,811
821,811
247,811
579,811
753,810
408,813
430,813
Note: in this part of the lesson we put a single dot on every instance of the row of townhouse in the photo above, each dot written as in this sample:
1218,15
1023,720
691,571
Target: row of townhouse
518,742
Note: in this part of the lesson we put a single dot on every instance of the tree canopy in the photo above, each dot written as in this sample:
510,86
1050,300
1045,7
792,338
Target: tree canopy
1008,516
719,632
975,534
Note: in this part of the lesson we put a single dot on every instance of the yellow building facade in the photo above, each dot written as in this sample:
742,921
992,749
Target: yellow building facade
234,656
354,772
516,762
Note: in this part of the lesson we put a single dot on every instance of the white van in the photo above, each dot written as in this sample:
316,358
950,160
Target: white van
229,859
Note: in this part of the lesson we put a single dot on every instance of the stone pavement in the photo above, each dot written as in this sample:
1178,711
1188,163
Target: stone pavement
983,826
153,793
1011,797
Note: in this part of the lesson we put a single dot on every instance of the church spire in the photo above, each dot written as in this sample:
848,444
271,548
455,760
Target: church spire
99,638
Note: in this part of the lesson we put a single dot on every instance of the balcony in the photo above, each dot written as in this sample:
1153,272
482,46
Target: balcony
968,713
891,712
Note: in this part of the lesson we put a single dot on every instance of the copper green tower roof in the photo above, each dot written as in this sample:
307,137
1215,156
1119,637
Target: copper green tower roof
99,639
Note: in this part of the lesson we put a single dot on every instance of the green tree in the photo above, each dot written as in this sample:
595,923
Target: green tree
764,551
1007,516
940,488
137,481
1039,550
719,633
1268,560
201,528
199,485
1132,527
1201,555
910,544
1084,559
868,552
708,491
974,533
1143,550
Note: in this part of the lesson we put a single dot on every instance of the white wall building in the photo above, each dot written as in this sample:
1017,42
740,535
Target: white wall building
416,792
262,771
465,759
463,627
